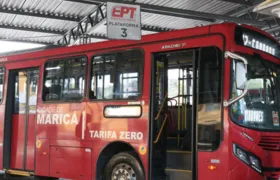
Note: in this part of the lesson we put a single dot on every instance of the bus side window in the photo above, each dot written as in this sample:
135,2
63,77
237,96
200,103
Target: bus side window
209,100
64,80
117,75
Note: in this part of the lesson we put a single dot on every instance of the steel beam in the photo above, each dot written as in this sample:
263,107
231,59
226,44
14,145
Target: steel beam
32,29
83,2
82,28
23,40
186,16
245,2
276,28
34,13
179,12
152,28
243,11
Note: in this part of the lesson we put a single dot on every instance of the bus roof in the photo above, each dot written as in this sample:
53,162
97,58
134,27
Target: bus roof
78,49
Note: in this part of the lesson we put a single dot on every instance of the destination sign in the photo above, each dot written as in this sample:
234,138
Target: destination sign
256,40
256,44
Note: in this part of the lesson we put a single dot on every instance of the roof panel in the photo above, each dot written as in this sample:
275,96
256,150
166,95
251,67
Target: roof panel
169,21
6,18
12,3
42,5
209,6
79,9
2,32
73,8
40,22
45,37
59,7
58,24
17,34
28,21
189,4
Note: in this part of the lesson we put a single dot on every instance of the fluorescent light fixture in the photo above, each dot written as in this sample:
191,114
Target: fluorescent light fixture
123,111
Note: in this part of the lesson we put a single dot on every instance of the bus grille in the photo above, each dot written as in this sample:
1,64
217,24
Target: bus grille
270,143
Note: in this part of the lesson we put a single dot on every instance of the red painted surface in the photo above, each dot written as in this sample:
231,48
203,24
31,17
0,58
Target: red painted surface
69,140
74,163
42,157
241,171
17,148
30,149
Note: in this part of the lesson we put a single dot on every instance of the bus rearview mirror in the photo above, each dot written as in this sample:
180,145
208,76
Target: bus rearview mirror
240,75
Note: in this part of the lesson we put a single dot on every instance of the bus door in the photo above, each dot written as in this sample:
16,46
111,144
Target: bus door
173,114
23,85
187,113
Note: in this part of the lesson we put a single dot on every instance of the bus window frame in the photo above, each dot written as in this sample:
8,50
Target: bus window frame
141,81
64,101
4,81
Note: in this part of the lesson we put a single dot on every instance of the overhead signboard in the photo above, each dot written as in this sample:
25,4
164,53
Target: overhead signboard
123,21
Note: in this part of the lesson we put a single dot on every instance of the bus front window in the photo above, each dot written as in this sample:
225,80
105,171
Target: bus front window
259,108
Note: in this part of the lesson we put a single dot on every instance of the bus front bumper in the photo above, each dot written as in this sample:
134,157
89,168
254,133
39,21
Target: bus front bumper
244,172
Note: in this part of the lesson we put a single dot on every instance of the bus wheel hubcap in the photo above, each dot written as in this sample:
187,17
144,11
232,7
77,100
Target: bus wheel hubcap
123,172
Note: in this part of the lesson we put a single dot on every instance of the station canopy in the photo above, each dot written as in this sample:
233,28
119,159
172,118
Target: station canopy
72,22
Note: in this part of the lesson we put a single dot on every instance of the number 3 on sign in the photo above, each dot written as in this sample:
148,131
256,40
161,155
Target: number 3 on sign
124,33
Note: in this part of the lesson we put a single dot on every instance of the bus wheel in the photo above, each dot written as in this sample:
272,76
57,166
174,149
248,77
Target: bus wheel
124,166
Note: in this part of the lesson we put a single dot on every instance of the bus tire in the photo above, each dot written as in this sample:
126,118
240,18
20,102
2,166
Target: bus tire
123,165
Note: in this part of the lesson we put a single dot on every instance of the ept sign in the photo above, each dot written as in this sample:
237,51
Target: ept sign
123,21
123,12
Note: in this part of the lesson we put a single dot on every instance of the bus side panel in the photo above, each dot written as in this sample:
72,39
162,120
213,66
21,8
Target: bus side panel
42,163
70,162
57,122
103,131
17,148
30,156
131,131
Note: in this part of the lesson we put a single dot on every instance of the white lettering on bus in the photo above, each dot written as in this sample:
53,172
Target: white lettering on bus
50,110
57,119
125,135
170,46
103,134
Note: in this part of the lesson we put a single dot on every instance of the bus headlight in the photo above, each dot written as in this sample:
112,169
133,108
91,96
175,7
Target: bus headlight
248,158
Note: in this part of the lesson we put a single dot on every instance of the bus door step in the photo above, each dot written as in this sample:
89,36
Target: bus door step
174,174
19,173
176,159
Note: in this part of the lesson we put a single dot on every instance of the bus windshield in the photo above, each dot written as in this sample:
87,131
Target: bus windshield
259,108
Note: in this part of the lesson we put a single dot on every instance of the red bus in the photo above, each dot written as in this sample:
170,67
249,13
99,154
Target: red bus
133,110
